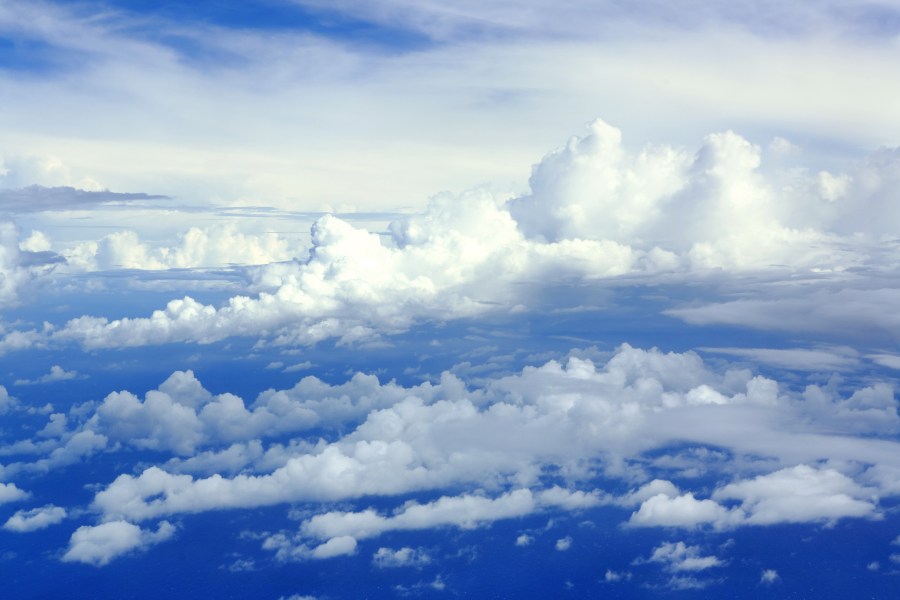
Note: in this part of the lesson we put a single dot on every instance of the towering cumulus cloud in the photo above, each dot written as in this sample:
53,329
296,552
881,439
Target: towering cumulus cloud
596,211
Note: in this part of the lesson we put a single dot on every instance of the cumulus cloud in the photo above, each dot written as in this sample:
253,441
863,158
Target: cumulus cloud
13,272
214,246
9,492
37,518
556,415
800,494
682,511
56,373
594,211
98,545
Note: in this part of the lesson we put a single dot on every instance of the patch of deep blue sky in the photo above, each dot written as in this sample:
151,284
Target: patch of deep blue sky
178,25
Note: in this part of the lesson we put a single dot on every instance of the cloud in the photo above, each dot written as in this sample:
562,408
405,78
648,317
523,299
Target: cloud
683,511
681,557
36,198
98,545
801,494
616,576
56,373
404,557
10,493
564,544
595,211
13,272
213,246
769,577
7,402
795,359
391,440
35,519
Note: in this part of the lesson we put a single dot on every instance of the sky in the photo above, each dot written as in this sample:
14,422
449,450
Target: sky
318,300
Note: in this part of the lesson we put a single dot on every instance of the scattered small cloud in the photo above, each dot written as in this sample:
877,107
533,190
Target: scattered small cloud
769,577
56,373
386,558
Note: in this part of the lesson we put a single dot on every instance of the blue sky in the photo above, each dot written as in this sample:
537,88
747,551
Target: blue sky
482,299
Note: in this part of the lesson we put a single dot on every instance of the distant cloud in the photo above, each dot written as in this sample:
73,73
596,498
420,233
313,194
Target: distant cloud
795,359
524,540
404,557
564,544
616,576
56,373
595,211
769,577
681,557
38,198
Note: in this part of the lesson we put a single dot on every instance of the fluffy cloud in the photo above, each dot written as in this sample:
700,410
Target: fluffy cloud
10,493
682,511
13,274
37,518
216,246
56,373
681,557
98,545
562,415
594,211
800,494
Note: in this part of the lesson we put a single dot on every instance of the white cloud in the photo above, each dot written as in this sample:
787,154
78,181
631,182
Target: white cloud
564,544
801,494
13,274
403,557
213,246
461,511
37,518
681,557
595,210
769,577
7,402
10,493
338,546
395,440
683,511
98,545
616,576
56,373
524,540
